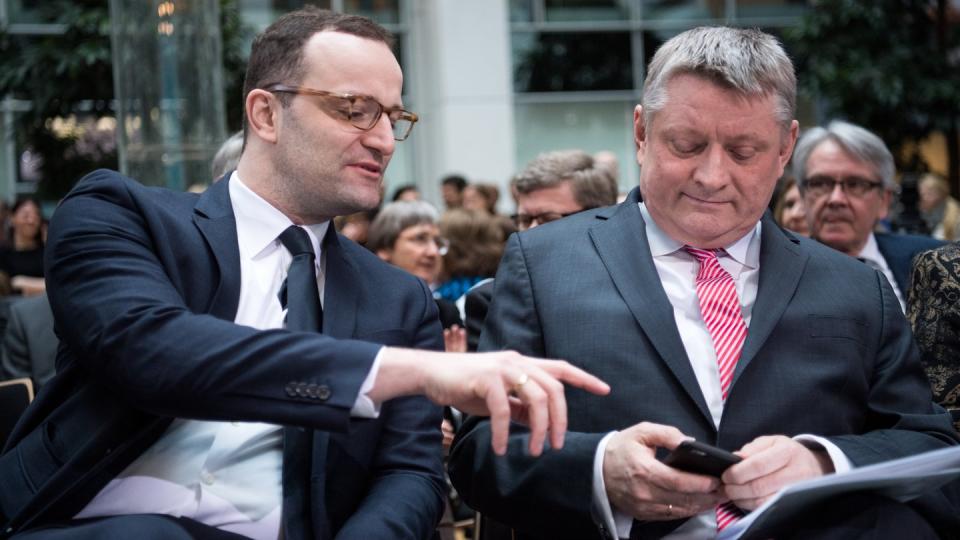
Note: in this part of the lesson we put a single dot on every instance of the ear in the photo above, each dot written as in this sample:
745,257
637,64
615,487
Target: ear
263,114
639,132
786,149
385,254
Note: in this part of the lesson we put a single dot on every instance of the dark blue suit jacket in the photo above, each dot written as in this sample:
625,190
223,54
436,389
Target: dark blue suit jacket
899,250
825,355
144,284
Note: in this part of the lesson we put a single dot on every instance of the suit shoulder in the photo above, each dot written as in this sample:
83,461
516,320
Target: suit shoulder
116,188
907,242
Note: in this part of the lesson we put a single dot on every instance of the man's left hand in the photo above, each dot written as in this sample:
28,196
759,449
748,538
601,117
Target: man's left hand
769,463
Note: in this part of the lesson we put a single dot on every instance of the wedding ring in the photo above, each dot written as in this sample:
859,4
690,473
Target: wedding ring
519,384
670,508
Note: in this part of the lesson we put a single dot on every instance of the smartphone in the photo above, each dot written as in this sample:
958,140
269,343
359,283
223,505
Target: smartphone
700,458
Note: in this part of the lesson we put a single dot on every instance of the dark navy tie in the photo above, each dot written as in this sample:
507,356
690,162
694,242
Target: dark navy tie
299,293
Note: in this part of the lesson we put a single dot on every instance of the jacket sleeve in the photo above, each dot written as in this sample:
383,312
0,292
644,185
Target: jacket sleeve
550,495
126,323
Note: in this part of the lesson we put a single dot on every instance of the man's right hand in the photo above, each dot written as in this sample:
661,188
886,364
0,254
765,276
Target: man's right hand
641,486
503,385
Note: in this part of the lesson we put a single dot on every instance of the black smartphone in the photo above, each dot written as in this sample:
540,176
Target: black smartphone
700,458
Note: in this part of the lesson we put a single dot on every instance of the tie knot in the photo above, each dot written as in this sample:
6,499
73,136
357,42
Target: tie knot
297,241
702,255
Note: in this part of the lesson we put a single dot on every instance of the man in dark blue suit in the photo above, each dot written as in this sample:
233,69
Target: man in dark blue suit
185,405
846,176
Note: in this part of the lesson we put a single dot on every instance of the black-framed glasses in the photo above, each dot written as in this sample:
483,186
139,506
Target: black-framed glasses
821,185
524,221
362,112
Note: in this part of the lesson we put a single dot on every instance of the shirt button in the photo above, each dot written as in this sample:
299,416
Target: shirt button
207,477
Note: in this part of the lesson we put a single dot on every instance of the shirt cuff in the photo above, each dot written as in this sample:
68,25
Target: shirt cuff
364,407
841,463
613,519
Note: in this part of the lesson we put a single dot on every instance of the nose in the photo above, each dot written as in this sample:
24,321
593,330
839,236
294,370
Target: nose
837,195
711,171
380,137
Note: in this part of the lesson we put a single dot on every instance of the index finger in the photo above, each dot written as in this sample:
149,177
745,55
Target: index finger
574,376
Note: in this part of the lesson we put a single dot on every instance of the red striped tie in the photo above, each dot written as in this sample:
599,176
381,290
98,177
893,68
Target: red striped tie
720,308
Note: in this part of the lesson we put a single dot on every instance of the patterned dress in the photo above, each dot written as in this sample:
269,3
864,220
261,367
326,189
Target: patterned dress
933,307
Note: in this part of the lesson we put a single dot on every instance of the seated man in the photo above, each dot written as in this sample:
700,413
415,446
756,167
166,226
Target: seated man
230,365
845,174
710,322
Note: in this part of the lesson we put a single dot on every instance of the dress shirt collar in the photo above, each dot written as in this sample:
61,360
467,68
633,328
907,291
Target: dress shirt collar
259,223
871,252
745,251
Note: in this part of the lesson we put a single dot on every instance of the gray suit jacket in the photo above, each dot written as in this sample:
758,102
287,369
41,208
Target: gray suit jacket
828,353
29,344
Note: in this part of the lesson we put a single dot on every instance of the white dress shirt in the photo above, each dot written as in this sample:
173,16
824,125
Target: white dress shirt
677,270
872,256
227,474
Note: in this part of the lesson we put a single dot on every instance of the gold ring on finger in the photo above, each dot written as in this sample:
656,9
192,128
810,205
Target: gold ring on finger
519,384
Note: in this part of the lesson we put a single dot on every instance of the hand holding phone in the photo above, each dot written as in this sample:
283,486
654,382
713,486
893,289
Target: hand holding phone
700,458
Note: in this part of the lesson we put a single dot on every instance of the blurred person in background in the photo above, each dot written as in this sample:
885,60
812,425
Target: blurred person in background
405,234
476,244
789,210
406,192
940,211
227,156
481,197
846,177
452,187
21,260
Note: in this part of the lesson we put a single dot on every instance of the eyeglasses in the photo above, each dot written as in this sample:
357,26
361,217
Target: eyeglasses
524,221
424,239
362,112
855,186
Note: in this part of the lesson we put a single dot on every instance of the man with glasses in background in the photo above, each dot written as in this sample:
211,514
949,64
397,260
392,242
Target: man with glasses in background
230,366
846,174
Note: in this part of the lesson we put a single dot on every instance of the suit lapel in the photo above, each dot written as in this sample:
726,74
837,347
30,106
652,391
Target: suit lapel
781,265
621,242
213,215
339,291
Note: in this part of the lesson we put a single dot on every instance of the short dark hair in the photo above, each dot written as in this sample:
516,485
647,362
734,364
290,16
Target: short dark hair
276,55
403,189
455,180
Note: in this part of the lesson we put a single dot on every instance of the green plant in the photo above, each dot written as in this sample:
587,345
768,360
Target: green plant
892,66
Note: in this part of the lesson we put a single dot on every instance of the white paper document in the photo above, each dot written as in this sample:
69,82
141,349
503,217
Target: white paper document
901,479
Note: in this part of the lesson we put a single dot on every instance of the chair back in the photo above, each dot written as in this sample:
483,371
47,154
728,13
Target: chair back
15,396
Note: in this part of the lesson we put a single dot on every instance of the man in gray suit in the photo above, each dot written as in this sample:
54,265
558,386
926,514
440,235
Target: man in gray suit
813,369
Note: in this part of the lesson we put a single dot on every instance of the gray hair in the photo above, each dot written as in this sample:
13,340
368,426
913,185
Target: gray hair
857,141
227,157
593,184
394,218
748,61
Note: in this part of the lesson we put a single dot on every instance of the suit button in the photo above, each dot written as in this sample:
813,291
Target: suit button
290,389
323,392
302,389
312,391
